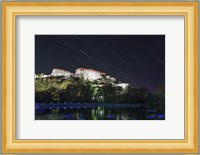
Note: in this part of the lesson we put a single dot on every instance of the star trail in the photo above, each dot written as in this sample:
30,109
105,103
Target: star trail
136,59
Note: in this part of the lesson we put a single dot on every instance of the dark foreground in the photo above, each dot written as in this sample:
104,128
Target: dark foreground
93,111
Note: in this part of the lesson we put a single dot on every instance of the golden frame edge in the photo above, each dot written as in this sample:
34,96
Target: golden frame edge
12,9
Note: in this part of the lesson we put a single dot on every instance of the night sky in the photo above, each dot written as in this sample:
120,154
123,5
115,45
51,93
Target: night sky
136,59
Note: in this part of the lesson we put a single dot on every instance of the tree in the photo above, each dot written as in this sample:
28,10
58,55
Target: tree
160,92
142,95
129,96
109,93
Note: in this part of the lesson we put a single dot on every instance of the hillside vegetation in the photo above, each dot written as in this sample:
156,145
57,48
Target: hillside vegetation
78,90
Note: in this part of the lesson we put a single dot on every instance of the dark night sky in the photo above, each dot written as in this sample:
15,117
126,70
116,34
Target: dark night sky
135,59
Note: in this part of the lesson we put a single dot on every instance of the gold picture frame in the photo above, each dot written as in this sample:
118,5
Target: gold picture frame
12,9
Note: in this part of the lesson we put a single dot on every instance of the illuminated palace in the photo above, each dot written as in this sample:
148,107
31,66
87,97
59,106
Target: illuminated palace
87,74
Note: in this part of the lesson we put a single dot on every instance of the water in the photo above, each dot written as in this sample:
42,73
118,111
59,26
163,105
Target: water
93,111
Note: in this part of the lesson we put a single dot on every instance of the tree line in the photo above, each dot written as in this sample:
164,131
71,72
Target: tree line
78,90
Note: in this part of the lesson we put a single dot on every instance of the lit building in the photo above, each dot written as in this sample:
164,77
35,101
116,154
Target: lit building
110,78
123,85
60,72
41,76
89,74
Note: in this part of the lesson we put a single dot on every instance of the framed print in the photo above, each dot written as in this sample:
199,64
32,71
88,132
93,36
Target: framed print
100,77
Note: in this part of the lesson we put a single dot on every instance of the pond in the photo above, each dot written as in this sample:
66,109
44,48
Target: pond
101,111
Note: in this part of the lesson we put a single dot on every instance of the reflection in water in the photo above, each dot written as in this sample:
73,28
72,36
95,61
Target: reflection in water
97,112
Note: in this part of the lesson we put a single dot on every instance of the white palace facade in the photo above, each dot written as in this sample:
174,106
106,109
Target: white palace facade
89,74
60,72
